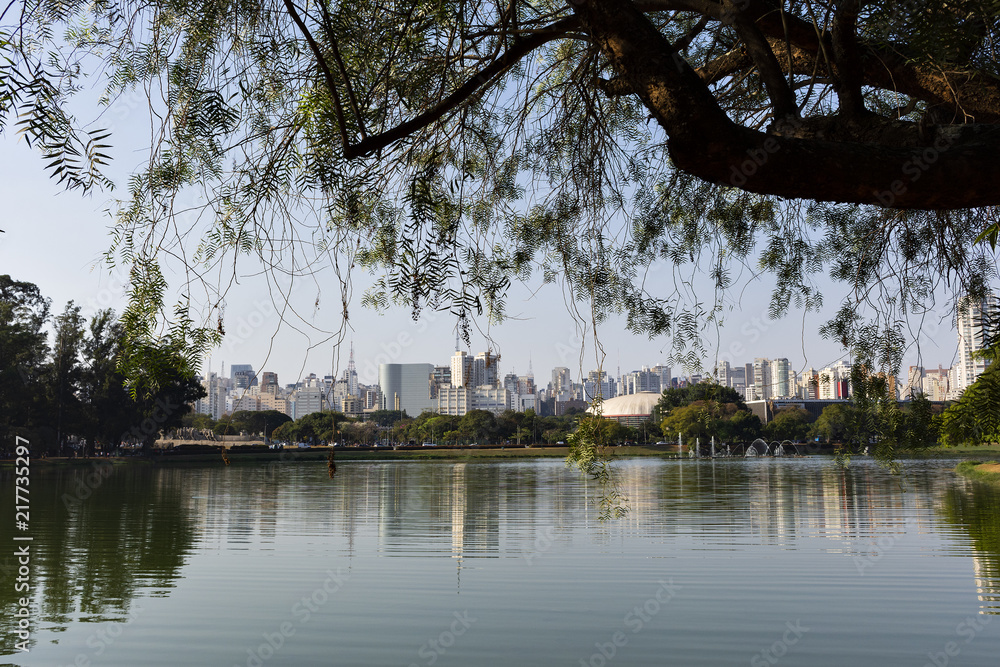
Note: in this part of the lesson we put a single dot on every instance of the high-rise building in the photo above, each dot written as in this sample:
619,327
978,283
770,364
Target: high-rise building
243,376
935,384
914,382
457,401
723,369
442,376
307,400
977,319
407,387
351,375
809,384
738,378
269,383
598,384
665,377
510,382
484,370
214,403
560,379
461,369
641,380
781,378
762,380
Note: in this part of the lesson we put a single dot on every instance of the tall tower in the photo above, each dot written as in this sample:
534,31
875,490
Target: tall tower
352,375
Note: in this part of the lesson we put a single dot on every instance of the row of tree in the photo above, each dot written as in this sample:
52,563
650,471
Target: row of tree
707,410
67,392
476,426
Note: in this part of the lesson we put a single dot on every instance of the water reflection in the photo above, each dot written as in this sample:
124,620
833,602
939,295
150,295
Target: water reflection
754,543
975,507
100,536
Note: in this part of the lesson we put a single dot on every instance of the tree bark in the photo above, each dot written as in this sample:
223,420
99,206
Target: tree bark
948,172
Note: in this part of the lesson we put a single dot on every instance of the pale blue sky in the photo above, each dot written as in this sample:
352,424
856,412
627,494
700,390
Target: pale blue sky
56,238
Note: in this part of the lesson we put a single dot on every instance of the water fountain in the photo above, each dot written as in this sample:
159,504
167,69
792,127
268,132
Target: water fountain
752,450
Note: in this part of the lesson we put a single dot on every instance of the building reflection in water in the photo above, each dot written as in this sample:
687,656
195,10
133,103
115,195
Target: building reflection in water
974,508
132,536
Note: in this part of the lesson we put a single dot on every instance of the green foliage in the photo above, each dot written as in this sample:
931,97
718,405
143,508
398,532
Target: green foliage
75,387
834,423
588,451
452,148
251,421
974,419
65,377
703,391
789,424
23,314
729,422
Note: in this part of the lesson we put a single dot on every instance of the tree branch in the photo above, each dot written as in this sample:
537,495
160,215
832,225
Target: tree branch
482,79
331,83
955,170
847,57
778,90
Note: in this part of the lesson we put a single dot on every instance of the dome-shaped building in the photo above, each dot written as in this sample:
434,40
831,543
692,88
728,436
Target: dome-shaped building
630,409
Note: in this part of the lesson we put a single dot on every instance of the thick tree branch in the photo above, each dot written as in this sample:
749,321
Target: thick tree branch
974,92
953,171
778,90
484,78
847,57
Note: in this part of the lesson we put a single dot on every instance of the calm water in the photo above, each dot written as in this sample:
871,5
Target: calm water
757,562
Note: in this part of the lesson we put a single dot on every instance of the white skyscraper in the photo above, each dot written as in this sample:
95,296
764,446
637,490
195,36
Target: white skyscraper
461,369
975,317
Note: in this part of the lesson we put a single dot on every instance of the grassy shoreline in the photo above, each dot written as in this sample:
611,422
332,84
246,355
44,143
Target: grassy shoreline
979,454
988,472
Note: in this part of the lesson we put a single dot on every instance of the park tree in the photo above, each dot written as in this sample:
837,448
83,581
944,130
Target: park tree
789,424
108,404
479,426
834,423
743,426
24,348
65,375
974,419
703,391
253,422
452,147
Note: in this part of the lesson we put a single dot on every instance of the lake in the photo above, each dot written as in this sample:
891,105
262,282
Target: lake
726,562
